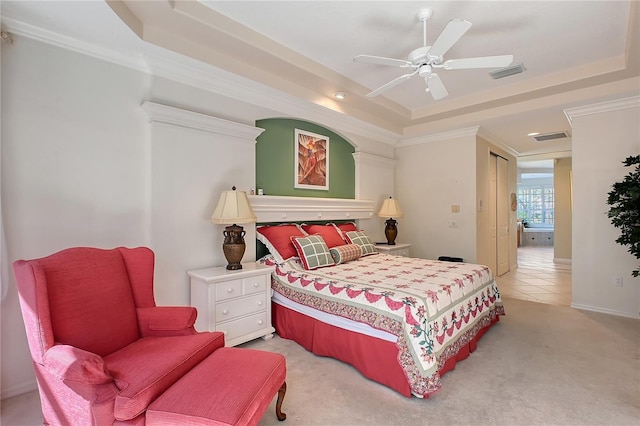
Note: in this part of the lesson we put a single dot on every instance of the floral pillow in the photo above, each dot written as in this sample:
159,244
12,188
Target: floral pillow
277,239
361,239
313,251
345,253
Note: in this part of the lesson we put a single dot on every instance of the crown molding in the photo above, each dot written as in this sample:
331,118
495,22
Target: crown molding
435,137
172,116
494,140
631,102
72,44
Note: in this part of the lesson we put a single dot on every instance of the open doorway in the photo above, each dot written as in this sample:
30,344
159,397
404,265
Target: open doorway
544,234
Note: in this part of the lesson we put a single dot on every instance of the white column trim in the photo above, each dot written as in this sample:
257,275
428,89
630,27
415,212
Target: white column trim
165,114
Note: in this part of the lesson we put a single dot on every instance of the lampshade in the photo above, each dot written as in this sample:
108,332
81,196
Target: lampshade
390,208
233,207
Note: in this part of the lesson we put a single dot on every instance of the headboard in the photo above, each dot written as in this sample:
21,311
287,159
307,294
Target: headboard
275,208
271,209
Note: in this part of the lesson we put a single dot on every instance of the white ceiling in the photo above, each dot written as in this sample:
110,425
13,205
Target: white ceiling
575,53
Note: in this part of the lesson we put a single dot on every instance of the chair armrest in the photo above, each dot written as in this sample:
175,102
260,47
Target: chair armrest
71,364
161,321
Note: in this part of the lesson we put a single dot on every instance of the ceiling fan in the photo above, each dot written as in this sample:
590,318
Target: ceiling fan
425,59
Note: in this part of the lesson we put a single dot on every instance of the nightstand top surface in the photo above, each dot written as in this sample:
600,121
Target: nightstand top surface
221,272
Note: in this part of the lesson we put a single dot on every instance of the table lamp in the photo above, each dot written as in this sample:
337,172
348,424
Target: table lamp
390,209
233,208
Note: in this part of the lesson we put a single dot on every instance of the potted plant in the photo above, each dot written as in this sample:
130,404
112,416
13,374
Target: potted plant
624,211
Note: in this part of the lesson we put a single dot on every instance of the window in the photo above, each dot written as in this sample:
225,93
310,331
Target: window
535,204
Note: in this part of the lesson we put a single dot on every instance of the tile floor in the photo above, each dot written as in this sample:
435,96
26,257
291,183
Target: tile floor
538,278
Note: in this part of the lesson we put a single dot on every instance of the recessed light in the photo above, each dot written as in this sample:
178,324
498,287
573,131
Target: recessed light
340,95
533,134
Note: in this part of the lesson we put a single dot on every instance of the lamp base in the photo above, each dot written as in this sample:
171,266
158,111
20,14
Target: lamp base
233,246
391,231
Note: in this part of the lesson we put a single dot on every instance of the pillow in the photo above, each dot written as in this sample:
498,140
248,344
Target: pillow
329,234
345,227
313,251
277,238
360,238
345,253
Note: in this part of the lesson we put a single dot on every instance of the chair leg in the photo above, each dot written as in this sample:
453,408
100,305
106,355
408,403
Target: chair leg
279,414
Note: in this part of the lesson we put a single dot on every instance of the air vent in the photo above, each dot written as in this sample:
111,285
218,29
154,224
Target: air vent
551,136
506,72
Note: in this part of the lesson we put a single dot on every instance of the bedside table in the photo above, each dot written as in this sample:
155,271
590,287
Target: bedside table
399,249
238,302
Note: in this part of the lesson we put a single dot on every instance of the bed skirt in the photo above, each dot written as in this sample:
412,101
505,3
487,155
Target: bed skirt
376,359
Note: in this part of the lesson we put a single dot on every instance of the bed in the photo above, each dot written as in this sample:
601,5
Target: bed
402,322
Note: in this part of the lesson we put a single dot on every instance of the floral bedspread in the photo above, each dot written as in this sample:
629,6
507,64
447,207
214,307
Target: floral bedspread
434,307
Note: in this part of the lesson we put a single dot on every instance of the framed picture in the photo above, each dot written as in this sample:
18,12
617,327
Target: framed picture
312,161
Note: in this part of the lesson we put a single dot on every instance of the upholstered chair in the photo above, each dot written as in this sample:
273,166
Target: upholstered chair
102,350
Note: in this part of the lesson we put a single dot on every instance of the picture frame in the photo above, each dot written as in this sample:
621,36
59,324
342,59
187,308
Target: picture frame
311,161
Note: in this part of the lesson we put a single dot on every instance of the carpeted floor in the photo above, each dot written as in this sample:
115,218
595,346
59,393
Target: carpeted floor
540,365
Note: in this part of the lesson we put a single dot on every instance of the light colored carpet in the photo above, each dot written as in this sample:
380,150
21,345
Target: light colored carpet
540,365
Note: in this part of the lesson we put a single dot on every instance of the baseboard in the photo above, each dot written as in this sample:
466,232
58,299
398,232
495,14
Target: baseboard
561,260
19,390
604,311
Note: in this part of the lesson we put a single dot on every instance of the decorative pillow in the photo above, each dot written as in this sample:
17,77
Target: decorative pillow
360,238
345,253
277,238
313,251
328,232
344,228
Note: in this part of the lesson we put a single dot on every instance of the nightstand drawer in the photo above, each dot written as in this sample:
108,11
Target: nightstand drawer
254,284
402,252
235,301
240,307
244,326
229,289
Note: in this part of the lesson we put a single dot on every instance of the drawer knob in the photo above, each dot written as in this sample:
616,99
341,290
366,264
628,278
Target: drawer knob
225,312
260,322
256,285
259,302
229,290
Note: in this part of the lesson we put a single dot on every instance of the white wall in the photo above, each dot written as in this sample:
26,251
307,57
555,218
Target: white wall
603,136
73,145
430,177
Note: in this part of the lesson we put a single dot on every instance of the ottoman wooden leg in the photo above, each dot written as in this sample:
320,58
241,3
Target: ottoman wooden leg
279,414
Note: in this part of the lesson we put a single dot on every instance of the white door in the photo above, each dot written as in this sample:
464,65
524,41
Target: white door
502,214
492,258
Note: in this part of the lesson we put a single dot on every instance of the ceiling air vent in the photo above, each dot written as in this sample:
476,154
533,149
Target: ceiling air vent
506,72
550,136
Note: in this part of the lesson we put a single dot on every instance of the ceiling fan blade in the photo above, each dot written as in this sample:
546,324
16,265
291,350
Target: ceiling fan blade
379,60
392,83
435,86
481,62
451,33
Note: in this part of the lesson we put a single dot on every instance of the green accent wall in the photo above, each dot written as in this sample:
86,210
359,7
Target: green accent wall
275,152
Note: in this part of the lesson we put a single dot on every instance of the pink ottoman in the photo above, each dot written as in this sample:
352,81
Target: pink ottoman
232,386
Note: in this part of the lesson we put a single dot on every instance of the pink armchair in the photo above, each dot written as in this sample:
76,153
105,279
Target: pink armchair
102,350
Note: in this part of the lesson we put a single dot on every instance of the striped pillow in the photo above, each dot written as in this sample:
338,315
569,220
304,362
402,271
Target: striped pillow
313,251
360,238
345,253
